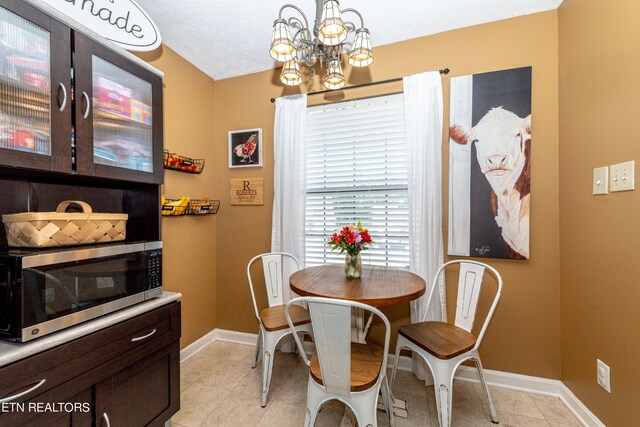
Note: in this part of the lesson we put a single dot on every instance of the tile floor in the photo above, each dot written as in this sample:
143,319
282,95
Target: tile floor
219,389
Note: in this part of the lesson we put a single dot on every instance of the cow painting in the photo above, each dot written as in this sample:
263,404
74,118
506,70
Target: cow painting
490,165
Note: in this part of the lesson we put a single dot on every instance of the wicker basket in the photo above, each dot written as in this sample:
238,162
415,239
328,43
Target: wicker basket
61,228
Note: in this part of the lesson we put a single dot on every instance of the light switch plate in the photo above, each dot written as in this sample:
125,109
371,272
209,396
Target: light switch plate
623,176
603,375
601,180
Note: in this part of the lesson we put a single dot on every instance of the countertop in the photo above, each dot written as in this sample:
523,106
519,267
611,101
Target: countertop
12,352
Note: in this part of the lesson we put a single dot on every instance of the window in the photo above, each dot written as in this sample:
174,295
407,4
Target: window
356,170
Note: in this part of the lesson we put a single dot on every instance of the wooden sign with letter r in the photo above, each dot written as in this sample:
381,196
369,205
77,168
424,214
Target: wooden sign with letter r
247,191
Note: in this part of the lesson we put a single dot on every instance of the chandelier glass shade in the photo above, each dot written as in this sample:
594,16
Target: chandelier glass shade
324,43
332,31
335,77
282,47
361,55
291,75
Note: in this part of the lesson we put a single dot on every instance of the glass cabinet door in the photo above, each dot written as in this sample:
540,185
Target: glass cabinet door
25,85
35,92
122,118
118,115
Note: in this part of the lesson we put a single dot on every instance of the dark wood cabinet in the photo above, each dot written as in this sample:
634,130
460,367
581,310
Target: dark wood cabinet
71,105
35,89
123,399
118,115
80,120
127,374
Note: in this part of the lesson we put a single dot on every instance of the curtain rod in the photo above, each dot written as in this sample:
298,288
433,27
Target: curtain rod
443,71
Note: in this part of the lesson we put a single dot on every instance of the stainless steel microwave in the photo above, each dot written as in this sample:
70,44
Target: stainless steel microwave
44,291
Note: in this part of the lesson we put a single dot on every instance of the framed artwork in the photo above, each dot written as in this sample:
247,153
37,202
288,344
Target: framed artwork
490,164
245,148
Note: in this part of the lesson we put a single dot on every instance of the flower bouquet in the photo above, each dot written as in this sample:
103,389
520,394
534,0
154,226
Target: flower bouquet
352,240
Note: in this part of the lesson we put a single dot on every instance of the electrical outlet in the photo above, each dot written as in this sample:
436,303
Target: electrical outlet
623,176
601,180
604,375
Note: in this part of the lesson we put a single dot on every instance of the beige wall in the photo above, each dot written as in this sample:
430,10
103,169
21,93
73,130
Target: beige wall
600,236
189,242
599,43
525,334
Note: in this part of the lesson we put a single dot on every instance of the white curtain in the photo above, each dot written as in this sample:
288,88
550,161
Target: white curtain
287,228
423,122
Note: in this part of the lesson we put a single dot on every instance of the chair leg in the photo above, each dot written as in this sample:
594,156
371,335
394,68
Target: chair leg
309,420
443,384
365,408
314,400
258,346
400,344
487,395
367,420
267,365
269,347
386,398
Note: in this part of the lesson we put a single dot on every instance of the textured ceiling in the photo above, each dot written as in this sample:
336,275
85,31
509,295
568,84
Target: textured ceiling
227,38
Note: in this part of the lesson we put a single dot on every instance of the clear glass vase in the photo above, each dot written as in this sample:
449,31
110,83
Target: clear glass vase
353,266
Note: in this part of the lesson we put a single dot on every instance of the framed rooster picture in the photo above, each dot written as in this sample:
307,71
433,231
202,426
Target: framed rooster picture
245,148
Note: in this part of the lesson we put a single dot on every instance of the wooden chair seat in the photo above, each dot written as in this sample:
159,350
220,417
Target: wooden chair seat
273,317
442,340
366,360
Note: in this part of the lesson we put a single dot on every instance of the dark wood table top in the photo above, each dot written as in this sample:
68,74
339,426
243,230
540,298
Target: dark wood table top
378,286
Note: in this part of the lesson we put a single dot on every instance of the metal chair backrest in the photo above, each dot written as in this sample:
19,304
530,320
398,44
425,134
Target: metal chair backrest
470,281
331,323
275,269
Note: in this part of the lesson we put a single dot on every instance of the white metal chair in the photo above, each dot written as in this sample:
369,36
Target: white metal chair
273,324
445,346
350,372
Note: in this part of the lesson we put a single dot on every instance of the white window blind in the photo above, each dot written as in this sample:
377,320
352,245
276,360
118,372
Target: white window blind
356,170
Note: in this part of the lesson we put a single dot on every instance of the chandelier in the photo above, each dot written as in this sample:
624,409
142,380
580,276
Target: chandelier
324,43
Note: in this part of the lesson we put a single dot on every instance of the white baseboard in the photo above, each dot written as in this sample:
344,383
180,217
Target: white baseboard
526,383
189,351
511,381
236,337
578,408
217,335
404,364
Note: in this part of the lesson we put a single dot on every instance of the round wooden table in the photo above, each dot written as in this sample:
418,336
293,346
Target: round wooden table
378,286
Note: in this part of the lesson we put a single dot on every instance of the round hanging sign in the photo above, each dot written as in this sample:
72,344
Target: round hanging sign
123,22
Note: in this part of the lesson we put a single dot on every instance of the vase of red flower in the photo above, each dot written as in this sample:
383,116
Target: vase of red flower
353,266
352,240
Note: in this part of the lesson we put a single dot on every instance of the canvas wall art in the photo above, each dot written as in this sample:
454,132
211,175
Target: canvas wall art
245,148
490,164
